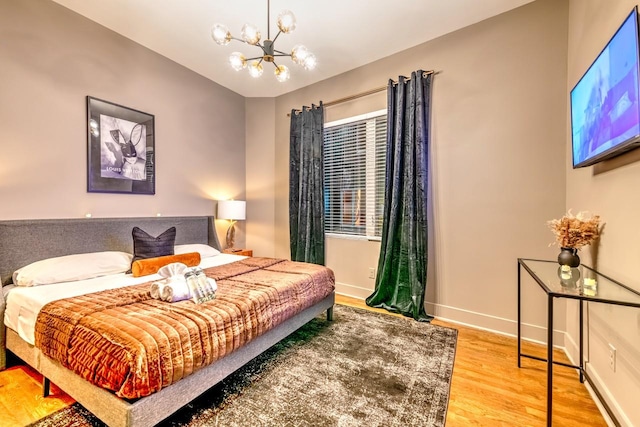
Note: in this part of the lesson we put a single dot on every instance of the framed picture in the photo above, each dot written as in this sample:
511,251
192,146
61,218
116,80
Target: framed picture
120,149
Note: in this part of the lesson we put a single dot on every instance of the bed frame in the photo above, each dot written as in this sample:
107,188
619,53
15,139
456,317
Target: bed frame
26,241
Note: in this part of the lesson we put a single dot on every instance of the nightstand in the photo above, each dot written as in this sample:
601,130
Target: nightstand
243,252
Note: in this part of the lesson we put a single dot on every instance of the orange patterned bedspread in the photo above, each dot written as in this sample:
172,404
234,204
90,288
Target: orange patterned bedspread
125,341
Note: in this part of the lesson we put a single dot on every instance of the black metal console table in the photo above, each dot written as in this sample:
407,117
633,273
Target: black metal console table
583,284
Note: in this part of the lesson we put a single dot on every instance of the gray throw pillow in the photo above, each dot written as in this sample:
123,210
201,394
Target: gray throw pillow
146,246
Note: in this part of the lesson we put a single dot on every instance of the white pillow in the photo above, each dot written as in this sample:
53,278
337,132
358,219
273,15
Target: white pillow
71,268
205,251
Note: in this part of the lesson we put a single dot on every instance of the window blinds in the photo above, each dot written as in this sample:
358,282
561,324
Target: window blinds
354,167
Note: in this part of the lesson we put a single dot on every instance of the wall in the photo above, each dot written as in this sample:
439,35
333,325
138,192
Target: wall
52,58
498,132
260,164
610,190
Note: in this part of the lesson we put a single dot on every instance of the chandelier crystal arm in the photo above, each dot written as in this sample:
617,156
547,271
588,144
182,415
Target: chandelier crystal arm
243,41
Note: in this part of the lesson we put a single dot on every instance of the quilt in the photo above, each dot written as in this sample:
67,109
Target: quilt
125,341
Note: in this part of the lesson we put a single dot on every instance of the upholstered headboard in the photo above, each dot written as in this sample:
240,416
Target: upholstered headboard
25,241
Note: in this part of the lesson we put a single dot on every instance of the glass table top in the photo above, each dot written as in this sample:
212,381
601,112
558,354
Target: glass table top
581,283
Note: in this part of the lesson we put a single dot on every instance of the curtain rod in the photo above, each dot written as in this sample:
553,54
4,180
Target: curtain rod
363,94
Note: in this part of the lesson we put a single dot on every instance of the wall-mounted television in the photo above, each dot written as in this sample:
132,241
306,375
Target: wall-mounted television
605,115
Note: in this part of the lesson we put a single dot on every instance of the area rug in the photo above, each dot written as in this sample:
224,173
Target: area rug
362,369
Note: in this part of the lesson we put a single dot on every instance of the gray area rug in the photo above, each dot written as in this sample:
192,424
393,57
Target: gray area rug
362,369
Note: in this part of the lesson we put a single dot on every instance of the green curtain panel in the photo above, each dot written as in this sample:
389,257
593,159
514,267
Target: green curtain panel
306,185
402,267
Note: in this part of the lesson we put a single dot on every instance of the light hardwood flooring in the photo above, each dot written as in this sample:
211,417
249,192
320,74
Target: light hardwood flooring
487,389
21,401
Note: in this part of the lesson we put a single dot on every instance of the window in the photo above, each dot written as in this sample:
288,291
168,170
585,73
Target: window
354,162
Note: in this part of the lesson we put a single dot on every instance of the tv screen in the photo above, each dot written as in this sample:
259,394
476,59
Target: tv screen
605,116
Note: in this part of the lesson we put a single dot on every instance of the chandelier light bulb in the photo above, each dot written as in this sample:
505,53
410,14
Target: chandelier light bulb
238,61
282,73
310,62
255,69
221,34
250,34
286,21
299,53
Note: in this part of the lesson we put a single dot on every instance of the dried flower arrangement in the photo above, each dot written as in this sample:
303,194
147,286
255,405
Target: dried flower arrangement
576,231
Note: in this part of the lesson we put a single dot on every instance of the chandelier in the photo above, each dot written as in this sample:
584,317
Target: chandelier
251,35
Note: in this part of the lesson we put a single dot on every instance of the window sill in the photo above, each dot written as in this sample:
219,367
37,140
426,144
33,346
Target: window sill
352,237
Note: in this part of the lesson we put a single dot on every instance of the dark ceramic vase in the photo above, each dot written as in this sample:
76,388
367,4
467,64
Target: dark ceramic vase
569,256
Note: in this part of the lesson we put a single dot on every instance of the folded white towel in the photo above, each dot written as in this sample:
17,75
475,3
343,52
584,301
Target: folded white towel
156,289
173,269
176,290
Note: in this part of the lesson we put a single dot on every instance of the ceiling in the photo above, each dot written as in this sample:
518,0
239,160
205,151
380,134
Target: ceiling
343,34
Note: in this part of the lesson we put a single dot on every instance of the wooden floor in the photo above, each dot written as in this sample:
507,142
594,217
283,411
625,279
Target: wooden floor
21,401
487,389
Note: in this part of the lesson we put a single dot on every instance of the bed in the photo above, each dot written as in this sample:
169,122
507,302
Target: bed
25,241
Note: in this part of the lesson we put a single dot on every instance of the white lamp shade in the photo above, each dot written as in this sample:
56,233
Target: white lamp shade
232,209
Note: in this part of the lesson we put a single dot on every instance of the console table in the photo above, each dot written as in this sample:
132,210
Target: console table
583,284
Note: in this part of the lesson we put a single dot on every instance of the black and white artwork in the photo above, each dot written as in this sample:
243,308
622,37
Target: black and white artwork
121,149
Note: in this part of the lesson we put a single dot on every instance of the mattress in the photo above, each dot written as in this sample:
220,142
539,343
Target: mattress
24,303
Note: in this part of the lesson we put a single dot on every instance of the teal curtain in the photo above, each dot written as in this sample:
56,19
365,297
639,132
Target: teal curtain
306,185
402,266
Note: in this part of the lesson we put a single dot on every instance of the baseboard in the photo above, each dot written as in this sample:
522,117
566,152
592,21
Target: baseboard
498,325
352,291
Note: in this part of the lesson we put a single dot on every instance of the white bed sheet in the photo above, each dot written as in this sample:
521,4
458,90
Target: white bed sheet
24,303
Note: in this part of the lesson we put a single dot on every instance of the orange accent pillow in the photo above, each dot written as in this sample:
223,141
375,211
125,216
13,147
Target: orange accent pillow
144,267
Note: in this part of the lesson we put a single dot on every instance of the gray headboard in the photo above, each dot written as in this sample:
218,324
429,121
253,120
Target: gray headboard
25,241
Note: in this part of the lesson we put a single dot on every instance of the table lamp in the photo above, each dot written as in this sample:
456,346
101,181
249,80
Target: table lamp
233,210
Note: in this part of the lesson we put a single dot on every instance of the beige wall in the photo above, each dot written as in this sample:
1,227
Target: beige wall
498,133
52,59
260,164
610,190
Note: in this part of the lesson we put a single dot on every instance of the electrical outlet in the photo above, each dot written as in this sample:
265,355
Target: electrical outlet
612,357
372,273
